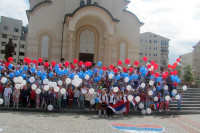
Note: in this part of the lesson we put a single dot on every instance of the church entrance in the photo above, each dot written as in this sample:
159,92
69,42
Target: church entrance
86,57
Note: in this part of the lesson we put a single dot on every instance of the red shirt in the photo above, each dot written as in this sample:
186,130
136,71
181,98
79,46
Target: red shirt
1,88
142,97
32,95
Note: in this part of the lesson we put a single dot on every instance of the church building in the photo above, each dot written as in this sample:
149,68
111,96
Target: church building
88,30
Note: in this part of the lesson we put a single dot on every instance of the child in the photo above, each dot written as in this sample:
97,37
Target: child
32,98
111,101
167,105
87,100
81,100
179,102
103,101
7,92
152,105
16,94
71,96
75,99
162,100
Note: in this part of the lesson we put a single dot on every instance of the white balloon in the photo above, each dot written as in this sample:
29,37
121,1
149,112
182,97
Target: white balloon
19,79
151,83
60,82
31,79
148,111
45,81
143,85
155,99
46,87
92,101
15,79
68,81
87,76
128,87
115,89
137,98
76,77
73,82
174,91
91,91
184,87
50,84
56,89
17,86
167,98
126,79
50,107
24,82
34,86
143,112
154,89
1,101
177,97
110,76
3,80
63,91
141,105
38,91
130,98
84,91
166,87
94,95
54,84
80,80
150,93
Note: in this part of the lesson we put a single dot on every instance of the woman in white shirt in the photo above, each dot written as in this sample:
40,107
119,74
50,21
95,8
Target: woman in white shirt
7,93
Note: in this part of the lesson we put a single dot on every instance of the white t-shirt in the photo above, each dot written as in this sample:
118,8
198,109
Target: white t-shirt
7,92
76,93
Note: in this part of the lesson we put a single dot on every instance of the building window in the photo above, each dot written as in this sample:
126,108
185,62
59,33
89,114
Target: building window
149,54
140,47
5,28
21,53
45,47
149,47
122,56
16,30
15,37
21,46
155,41
2,51
149,41
145,41
4,36
15,45
3,43
155,48
145,47
145,54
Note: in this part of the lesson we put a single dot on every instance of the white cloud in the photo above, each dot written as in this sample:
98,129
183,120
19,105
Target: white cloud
14,9
177,20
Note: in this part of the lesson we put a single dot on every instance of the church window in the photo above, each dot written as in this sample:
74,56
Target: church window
45,47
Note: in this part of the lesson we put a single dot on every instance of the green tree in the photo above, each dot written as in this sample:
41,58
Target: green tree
178,68
197,82
187,76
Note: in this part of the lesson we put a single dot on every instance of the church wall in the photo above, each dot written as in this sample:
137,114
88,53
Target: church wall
71,5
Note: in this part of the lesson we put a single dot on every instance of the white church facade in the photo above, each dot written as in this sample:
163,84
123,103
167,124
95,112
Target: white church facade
89,30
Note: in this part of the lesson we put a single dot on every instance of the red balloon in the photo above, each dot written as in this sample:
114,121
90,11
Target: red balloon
89,64
175,84
178,59
167,73
29,61
53,63
115,70
145,58
124,69
10,59
152,72
148,66
25,59
60,65
164,76
34,61
155,66
46,64
169,66
157,75
40,60
175,72
7,64
104,68
111,66
80,63
66,63
119,62
75,61
172,73
130,70
175,64
152,62
136,63
127,61
173,67
72,66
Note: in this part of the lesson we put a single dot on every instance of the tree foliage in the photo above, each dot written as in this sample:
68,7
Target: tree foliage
187,76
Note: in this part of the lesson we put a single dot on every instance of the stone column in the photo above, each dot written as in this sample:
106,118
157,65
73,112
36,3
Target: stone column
107,50
70,43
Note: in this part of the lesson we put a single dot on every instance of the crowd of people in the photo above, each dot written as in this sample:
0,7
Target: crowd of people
86,86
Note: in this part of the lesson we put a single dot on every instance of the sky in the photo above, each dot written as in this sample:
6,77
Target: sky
178,20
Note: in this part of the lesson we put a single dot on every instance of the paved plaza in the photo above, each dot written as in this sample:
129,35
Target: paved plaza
35,122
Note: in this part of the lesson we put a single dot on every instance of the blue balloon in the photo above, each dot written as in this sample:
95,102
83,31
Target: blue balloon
158,88
17,73
178,80
90,74
80,74
118,77
72,75
23,76
96,80
145,71
172,78
97,100
99,77
151,77
122,75
1,67
172,94
66,71
21,71
44,74
50,74
101,72
125,75
83,76
10,66
11,75
25,68
0,75
59,72
43,77
143,74
95,70
135,76
57,66
142,69
39,73
32,69
99,64
86,73
130,78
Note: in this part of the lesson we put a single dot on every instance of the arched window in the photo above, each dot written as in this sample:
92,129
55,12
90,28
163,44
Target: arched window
45,47
122,51
87,40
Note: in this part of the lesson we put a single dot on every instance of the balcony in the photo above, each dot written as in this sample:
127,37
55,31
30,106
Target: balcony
165,51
